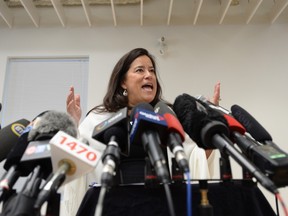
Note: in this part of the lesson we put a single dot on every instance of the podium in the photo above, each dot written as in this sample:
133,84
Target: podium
233,198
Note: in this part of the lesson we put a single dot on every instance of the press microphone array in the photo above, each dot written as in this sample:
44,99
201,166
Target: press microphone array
49,152
209,129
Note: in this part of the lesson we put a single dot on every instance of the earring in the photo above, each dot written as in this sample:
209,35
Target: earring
125,93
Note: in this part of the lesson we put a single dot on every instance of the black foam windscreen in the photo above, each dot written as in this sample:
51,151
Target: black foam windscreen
50,123
194,115
251,125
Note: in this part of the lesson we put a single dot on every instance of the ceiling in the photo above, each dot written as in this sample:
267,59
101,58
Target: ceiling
118,13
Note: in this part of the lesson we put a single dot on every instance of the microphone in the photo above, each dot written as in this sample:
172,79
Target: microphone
12,173
269,158
119,119
148,128
194,116
212,129
252,126
9,135
7,182
176,134
225,167
114,137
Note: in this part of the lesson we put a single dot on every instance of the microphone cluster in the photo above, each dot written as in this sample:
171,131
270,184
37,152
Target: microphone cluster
49,152
146,129
214,127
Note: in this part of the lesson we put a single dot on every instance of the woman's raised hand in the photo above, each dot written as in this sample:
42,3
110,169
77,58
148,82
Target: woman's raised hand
73,105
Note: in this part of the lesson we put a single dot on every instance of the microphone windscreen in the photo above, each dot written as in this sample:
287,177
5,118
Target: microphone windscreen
192,115
251,125
195,116
50,123
9,136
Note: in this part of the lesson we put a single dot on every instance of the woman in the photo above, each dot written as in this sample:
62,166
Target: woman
134,80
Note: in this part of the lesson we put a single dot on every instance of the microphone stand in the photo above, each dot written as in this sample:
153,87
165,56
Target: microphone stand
110,160
150,179
225,167
205,209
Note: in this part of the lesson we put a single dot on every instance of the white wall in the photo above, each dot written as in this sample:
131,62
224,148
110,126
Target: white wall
250,61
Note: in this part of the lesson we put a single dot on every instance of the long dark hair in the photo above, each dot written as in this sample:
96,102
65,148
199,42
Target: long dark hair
114,99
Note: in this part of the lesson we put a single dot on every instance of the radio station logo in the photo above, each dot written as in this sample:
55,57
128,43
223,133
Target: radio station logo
17,129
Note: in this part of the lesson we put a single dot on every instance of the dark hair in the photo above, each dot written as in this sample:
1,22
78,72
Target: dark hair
114,99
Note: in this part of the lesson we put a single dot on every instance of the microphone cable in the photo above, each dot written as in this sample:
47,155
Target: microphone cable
278,197
188,194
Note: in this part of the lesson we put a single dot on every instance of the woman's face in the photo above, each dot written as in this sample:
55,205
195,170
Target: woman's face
140,81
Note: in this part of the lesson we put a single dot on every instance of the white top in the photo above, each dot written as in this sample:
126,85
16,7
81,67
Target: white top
200,167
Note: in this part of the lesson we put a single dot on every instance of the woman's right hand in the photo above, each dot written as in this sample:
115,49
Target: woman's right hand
73,105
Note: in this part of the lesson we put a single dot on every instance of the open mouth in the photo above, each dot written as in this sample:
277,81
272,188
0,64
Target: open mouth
148,87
